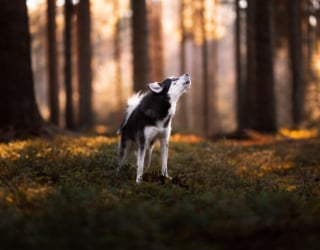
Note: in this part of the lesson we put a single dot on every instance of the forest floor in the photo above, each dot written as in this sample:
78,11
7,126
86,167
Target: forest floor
66,193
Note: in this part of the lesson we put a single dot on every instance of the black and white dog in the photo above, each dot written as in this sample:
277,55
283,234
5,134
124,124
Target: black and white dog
148,118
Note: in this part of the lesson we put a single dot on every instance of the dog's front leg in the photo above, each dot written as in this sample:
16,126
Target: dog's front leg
164,156
140,162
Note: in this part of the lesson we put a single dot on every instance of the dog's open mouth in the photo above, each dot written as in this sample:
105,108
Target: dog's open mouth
187,83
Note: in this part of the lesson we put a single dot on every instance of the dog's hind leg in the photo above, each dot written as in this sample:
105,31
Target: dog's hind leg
148,156
124,148
140,161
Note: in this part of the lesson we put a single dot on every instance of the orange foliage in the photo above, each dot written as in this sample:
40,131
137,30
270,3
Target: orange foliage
186,138
299,133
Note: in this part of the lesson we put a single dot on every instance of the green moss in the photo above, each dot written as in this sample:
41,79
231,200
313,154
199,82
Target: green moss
68,192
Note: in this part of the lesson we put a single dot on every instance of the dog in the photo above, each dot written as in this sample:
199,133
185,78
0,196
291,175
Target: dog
147,119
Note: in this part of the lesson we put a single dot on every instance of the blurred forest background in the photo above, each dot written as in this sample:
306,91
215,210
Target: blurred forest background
66,70
254,64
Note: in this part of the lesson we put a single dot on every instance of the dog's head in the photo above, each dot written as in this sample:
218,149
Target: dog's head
173,86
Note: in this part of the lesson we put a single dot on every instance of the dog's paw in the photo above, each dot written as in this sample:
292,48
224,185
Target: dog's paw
139,179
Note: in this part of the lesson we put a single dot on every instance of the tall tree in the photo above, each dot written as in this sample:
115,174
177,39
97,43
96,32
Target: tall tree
52,62
117,59
155,39
260,87
182,114
141,59
205,69
84,65
69,111
295,48
240,82
18,106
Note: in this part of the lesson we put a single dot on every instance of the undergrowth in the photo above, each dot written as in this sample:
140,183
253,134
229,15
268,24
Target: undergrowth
69,193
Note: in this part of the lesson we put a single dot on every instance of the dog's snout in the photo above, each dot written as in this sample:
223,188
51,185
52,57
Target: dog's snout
187,79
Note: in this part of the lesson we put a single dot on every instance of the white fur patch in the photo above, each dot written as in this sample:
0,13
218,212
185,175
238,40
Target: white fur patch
132,103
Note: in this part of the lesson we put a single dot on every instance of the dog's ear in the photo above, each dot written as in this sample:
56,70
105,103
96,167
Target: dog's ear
155,87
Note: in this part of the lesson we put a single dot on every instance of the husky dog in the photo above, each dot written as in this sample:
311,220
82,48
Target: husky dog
147,119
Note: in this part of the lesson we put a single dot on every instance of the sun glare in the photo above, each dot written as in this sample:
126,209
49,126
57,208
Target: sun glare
33,4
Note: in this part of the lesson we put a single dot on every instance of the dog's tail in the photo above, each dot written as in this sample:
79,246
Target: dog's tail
133,102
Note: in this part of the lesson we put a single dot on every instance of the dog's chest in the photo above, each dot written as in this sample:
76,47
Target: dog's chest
152,133
166,121
162,128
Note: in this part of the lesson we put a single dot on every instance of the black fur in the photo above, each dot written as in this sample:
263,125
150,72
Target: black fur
152,108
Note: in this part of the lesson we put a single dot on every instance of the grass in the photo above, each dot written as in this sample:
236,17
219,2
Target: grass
67,193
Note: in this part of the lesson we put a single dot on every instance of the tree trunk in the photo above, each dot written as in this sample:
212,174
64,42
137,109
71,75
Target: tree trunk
250,99
240,82
182,114
156,40
205,73
261,103
18,106
84,65
117,59
52,63
265,112
69,111
141,60
295,43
